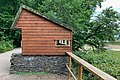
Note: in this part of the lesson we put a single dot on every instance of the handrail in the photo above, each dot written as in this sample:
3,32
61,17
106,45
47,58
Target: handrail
81,63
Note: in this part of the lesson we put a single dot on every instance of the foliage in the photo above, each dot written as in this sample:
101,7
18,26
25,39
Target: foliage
104,61
99,30
31,3
5,46
8,10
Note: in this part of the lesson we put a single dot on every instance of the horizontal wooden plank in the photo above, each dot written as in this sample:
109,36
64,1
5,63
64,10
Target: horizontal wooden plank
47,38
36,24
43,53
45,31
28,14
31,15
40,41
31,18
37,39
45,22
33,29
33,21
41,23
41,27
46,48
44,45
45,34
39,44
25,11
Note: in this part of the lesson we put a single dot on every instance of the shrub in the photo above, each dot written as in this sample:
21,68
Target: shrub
104,61
5,46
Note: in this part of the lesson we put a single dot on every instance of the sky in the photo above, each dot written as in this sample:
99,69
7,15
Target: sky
107,3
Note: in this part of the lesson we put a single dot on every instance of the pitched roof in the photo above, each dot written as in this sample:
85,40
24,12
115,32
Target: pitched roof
39,14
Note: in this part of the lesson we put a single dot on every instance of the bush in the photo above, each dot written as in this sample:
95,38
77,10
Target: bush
5,46
104,61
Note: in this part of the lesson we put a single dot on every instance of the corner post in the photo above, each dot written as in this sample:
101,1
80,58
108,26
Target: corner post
69,65
79,72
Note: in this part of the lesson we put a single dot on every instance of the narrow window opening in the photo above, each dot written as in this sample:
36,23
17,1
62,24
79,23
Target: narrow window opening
62,43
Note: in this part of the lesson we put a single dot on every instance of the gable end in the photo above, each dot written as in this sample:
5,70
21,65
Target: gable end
39,14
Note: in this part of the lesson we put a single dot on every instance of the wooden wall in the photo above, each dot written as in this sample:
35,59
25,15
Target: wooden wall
39,35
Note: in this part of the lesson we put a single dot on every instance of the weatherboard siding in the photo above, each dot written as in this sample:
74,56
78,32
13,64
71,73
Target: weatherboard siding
39,35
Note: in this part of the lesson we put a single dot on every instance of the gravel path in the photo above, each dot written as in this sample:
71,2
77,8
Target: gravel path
5,65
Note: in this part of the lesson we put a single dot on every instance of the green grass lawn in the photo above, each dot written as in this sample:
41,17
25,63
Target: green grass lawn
116,54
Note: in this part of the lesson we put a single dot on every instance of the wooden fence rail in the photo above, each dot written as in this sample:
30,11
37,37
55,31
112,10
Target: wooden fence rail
81,63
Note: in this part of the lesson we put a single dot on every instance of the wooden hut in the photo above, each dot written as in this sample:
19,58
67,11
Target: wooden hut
42,35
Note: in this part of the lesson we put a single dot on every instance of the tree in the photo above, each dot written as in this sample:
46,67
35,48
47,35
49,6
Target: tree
100,30
8,10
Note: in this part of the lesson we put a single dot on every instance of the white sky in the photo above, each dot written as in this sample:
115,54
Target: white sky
107,3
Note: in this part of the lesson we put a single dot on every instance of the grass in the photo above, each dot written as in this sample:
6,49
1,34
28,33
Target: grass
114,43
30,73
116,54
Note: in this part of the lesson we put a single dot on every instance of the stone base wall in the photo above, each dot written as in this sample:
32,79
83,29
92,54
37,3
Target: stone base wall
52,64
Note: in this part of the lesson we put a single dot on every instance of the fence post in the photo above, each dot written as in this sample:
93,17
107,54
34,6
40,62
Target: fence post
69,65
79,72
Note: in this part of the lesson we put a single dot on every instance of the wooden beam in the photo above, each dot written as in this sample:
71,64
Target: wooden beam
69,70
69,66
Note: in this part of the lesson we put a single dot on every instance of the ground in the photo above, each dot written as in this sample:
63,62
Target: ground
5,66
113,47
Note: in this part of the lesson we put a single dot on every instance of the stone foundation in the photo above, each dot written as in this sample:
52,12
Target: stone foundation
51,64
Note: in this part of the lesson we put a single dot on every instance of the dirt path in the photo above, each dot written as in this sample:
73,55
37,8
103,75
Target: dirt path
113,47
5,65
